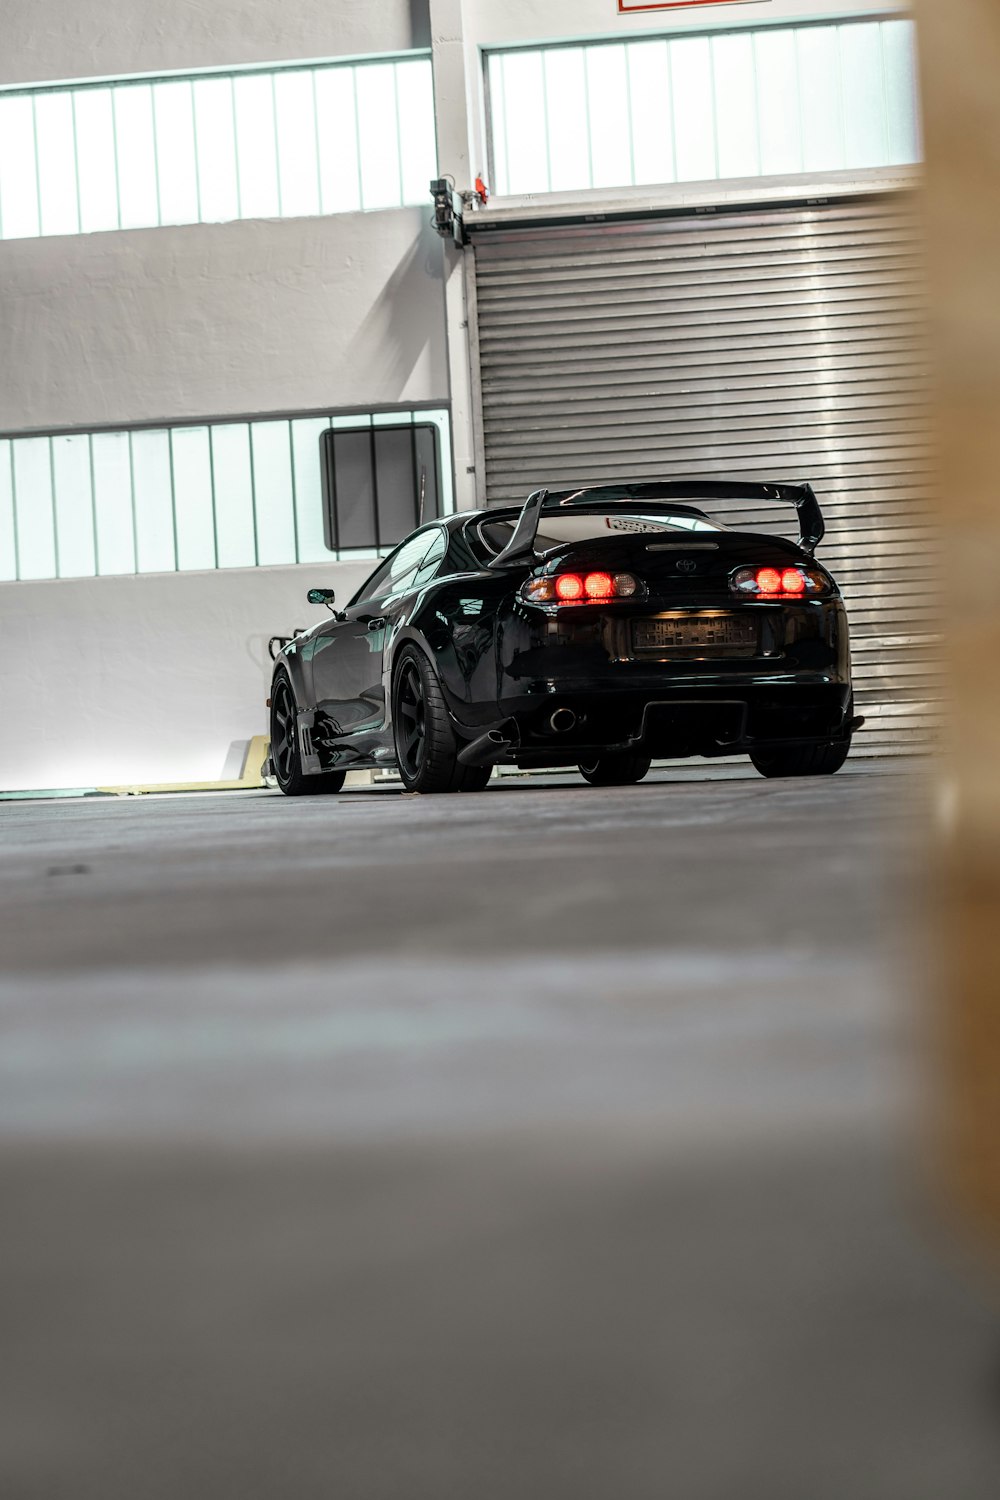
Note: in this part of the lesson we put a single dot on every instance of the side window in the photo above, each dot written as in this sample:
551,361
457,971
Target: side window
374,586
432,561
407,560
398,569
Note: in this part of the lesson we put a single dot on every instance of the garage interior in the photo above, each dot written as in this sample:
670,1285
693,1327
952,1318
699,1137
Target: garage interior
557,1140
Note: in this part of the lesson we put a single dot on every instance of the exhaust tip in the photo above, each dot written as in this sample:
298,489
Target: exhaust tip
562,720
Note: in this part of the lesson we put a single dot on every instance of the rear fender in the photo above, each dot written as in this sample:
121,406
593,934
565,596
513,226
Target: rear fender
465,717
292,661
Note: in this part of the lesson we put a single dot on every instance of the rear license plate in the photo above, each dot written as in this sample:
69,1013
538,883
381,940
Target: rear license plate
731,635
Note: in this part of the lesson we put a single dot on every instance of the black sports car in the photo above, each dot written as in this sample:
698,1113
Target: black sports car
597,628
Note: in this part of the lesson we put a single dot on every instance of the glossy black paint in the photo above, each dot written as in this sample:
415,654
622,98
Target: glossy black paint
507,666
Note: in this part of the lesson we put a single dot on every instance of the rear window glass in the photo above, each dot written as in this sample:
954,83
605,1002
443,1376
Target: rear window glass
556,531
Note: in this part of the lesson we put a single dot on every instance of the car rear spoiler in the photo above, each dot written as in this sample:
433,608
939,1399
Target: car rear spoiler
521,547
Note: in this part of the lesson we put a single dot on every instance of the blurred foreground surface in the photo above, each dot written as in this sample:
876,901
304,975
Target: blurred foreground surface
551,1142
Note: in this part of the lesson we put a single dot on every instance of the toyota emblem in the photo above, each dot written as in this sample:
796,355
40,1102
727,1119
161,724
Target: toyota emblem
686,565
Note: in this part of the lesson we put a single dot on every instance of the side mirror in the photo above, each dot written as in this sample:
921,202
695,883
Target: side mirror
321,596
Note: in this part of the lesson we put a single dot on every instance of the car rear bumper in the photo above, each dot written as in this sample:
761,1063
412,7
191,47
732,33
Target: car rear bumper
711,719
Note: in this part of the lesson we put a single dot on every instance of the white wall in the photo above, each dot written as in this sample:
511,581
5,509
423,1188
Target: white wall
144,679
221,319
61,39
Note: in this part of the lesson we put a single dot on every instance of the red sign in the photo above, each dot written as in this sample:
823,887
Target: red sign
626,7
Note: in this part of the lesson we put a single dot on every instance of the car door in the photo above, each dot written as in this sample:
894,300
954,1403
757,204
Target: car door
347,651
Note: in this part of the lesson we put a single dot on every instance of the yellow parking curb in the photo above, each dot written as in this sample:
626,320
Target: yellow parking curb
251,777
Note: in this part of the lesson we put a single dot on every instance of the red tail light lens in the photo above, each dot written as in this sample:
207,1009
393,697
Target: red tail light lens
599,586
569,586
768,581
580,588
780,583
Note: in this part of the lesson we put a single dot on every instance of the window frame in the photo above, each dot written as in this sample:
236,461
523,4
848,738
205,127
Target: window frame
496,117
329,486
246,514
194,162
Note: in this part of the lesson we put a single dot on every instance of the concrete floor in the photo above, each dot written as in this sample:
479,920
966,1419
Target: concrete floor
552,1142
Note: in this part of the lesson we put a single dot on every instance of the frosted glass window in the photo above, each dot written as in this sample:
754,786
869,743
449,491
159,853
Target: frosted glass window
193,499
611,135
735,93
694,114
232,470
865,125
18,170
417,139
152,484
442,421
95,156
215,146
567,119
298,168
74,506
337,128
177,178
8,536
503,178
652,117
257,149
56,164
333,138
112,472
306,475
33,511
135,154
902,107
231,495
778,103
753,102
822,99
527,150
378,137
272,484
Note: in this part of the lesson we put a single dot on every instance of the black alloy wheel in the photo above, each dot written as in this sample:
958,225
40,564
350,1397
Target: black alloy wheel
286,760
426,749
801,760
410,720
623,769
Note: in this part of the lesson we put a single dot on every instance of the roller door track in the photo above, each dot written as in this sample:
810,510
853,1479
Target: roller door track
772,344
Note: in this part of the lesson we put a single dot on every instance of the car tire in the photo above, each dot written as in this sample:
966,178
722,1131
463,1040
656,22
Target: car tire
801,760
426,749
616,770
286,759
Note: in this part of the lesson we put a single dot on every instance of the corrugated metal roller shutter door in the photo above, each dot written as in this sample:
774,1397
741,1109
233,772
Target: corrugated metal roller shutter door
776,343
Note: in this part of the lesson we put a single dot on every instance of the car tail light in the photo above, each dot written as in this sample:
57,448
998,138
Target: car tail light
780,583
580,588
569,588
599,586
